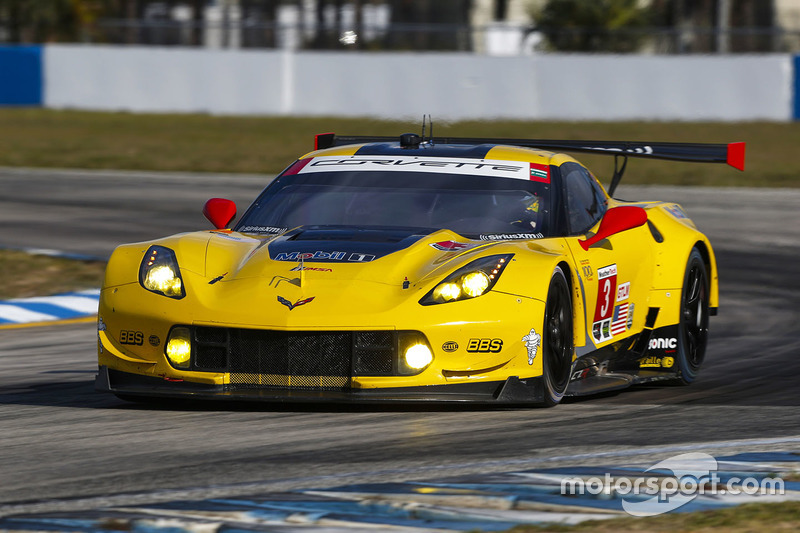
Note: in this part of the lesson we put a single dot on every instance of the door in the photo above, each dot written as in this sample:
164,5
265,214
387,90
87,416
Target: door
615,274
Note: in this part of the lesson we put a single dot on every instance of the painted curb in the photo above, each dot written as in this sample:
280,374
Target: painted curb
66,306
466,503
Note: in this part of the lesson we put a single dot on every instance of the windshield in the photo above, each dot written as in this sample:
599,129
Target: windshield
473,206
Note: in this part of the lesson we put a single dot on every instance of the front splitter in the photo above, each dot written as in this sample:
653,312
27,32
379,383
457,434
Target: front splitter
509,391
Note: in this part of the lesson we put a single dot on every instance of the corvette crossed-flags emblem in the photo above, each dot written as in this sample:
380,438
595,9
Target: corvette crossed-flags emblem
291,305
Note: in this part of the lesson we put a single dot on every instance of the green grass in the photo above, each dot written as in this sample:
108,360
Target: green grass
205,143
753,517
36,275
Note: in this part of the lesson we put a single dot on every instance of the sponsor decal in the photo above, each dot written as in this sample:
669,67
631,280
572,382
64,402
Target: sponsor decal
579,374
630,316
360,258
319,255
531,342
657,362
604,309
406,283
586,268
601,330
510,236
676,211
135,338
662,343
238,238
450,246
643,150
298,303
619,322
484,345
540,172
299,268
452,346
262,229
623,291
154,340
474,167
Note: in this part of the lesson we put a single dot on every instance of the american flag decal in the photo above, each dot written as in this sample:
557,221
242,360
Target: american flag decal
619,322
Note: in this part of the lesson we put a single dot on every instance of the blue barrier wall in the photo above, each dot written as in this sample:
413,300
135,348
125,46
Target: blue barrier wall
21,75
796,89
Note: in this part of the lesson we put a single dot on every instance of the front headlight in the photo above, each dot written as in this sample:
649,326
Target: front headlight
470,281
178,348
159,273
414,353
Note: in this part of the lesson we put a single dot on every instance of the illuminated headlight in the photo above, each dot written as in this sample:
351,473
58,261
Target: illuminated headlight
179,348
446,292
473,280
415,354
418,356
159,273
475,283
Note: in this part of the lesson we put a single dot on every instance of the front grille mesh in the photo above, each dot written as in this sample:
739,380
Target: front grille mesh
313,360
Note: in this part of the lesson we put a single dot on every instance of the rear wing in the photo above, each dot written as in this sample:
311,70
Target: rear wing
731,153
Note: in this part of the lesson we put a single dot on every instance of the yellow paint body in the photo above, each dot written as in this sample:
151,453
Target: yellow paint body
370,296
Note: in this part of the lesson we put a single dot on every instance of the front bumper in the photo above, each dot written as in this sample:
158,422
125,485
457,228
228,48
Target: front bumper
133,386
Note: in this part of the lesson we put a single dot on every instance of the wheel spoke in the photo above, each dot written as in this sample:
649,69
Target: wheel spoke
694,292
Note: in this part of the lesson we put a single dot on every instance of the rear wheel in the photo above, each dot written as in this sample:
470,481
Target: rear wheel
693,326
557,339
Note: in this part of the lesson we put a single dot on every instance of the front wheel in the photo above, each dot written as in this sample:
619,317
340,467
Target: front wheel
557,339
693,326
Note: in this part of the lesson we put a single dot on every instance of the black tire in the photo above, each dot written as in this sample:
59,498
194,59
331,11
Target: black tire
693,325
557,339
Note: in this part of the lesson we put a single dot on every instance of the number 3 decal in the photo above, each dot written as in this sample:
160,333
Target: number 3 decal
607,287
606,296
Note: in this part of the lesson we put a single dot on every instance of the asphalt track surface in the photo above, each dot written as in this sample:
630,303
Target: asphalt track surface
64,446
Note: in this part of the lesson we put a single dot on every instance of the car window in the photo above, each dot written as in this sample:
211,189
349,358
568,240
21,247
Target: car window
477,207
586,202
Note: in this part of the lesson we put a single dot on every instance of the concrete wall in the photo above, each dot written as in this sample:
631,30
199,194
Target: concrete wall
399,85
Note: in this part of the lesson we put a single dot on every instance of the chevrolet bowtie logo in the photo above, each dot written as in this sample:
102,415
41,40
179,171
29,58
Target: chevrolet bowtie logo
291,305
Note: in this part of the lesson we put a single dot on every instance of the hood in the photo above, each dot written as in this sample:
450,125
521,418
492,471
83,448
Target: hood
315,254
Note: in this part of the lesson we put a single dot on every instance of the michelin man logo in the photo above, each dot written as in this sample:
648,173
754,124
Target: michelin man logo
532,341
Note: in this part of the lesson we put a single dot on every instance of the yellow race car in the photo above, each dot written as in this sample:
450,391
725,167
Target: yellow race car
419,269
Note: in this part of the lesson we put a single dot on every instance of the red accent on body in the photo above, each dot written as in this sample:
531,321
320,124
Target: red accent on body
220,212
616,220
297,166
323,138
736,155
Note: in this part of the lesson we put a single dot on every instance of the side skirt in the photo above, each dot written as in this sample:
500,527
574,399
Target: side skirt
646,357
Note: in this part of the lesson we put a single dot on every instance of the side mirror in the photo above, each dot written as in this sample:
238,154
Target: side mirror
220,212
616,220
